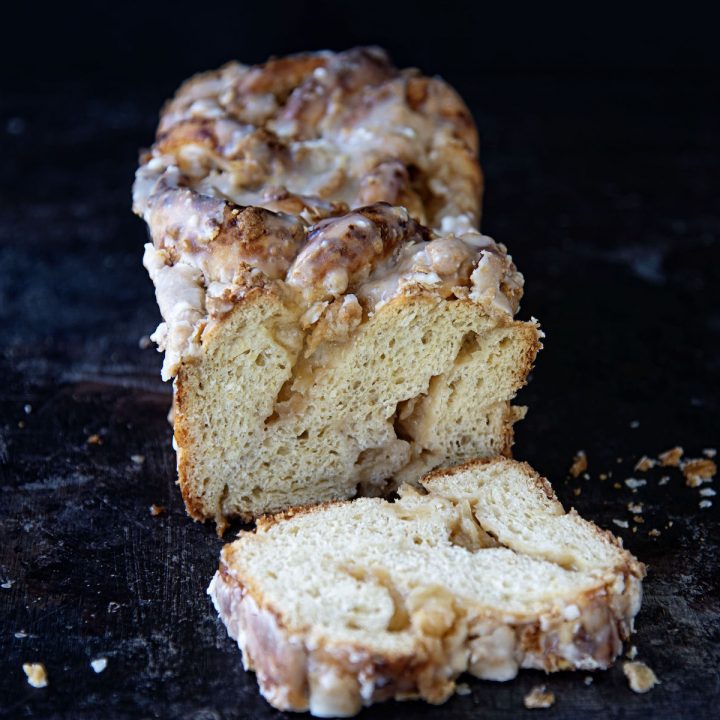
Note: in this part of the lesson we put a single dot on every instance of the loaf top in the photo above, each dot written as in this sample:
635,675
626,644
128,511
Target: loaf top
333,180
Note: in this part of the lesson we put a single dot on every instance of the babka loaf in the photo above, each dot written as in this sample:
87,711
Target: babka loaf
350,603
333,320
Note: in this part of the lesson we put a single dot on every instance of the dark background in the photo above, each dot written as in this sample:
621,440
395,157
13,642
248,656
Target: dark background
600,131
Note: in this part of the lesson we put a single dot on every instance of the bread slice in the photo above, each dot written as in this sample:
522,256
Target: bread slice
346,604
333,320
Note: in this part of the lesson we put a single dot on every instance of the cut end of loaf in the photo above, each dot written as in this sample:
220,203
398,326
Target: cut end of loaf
351,603
423,383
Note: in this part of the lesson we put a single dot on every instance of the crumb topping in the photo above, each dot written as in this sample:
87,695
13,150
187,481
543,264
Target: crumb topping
315,177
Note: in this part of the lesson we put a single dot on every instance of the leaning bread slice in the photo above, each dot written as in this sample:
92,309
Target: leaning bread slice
350,603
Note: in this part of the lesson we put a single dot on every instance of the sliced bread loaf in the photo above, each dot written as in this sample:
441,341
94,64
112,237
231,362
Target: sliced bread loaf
333,320
346,604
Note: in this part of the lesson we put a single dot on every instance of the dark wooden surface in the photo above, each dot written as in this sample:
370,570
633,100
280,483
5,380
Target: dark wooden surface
605,188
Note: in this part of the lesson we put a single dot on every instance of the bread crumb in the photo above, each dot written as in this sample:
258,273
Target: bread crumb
620,523
579,464
617,486
640,677
156,510
577,491
21,424
36,674
145,342
588,680
664,480
639,519
603,476
654,533
137,459
709,452
462,689
645,463
698,470
704,504
708,492
635,507
539,697
634,483
631,653
94,439
618,460
99,664
671,457
27,409
634,424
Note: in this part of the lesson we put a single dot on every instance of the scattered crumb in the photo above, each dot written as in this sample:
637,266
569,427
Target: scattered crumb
156,510
603,476
617,486
634,529
709,452
639,519
586,476
539,697
7,584
645,463
145,342
94,439
640,677
635,507
621,523
631,653
698,470
708,492
27,409
577,491
137,459
634,483
36,674
619,460
670,523
654,533
21,424
704,504
588,680
664,480
21,634
99,664
579,464
671,457
635,424
462,689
